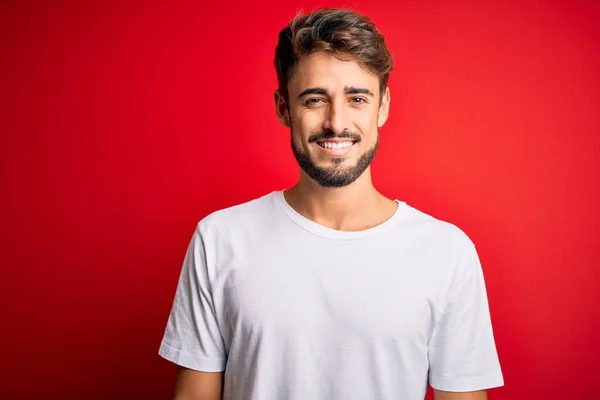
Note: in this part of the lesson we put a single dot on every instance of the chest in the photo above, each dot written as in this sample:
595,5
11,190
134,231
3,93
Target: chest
343,290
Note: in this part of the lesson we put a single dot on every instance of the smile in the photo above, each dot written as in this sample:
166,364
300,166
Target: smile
336,148
335,145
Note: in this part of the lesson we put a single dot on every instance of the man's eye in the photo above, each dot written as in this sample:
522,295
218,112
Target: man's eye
313,101
358,100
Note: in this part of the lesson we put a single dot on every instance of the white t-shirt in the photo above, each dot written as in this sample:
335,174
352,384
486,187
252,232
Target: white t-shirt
293,310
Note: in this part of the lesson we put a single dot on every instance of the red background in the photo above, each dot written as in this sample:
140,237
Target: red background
124,123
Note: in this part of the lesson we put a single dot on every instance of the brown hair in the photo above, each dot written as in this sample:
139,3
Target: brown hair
347,34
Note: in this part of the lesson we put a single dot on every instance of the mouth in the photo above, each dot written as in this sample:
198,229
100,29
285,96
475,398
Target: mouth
336,147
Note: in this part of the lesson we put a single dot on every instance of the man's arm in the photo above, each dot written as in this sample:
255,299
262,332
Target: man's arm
197,385
478,395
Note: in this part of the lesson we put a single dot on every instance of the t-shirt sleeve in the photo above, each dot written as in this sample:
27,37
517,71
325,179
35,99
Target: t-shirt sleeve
462,351
192,338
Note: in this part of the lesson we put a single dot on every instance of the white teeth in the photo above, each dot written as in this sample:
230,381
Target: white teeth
331,145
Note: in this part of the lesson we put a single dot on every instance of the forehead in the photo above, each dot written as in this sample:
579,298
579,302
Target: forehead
321,69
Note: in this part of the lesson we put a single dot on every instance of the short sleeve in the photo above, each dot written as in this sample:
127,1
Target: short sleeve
192,337
462,352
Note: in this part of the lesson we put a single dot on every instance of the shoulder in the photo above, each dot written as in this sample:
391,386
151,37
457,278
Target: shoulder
238,218
434,233
443,249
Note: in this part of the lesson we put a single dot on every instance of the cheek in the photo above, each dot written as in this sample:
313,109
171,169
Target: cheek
364,129
303,125
365,120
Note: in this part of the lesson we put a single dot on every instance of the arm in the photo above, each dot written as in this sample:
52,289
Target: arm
462,353
478,395
197,385
192,338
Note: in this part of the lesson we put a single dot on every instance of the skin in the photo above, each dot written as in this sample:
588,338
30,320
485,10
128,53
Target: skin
333,97
478,395
336,107
198,385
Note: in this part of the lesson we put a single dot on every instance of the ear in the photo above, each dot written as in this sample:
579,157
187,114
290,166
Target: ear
281,109
384,108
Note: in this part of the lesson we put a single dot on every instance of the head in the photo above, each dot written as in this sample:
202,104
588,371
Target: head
333,68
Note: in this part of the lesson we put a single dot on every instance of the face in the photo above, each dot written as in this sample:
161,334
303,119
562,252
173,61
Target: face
334,112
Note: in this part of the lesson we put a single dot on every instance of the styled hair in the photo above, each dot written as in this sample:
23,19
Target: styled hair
346,34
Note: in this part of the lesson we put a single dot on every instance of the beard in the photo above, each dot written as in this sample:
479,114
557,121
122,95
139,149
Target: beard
337,175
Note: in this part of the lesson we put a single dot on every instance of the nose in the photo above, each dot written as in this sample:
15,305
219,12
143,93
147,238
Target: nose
336,118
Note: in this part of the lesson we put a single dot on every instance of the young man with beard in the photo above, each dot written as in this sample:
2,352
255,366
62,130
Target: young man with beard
330,290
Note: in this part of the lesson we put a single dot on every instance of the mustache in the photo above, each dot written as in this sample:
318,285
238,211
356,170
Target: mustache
331,135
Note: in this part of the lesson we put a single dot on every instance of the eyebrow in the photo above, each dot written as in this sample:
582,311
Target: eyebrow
347,90
355,90
313,91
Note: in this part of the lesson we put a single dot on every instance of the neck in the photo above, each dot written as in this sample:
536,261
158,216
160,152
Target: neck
355,207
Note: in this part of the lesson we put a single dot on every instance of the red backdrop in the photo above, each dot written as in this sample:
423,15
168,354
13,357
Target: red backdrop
123,124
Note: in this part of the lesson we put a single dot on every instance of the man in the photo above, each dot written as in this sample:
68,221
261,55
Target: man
329,290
